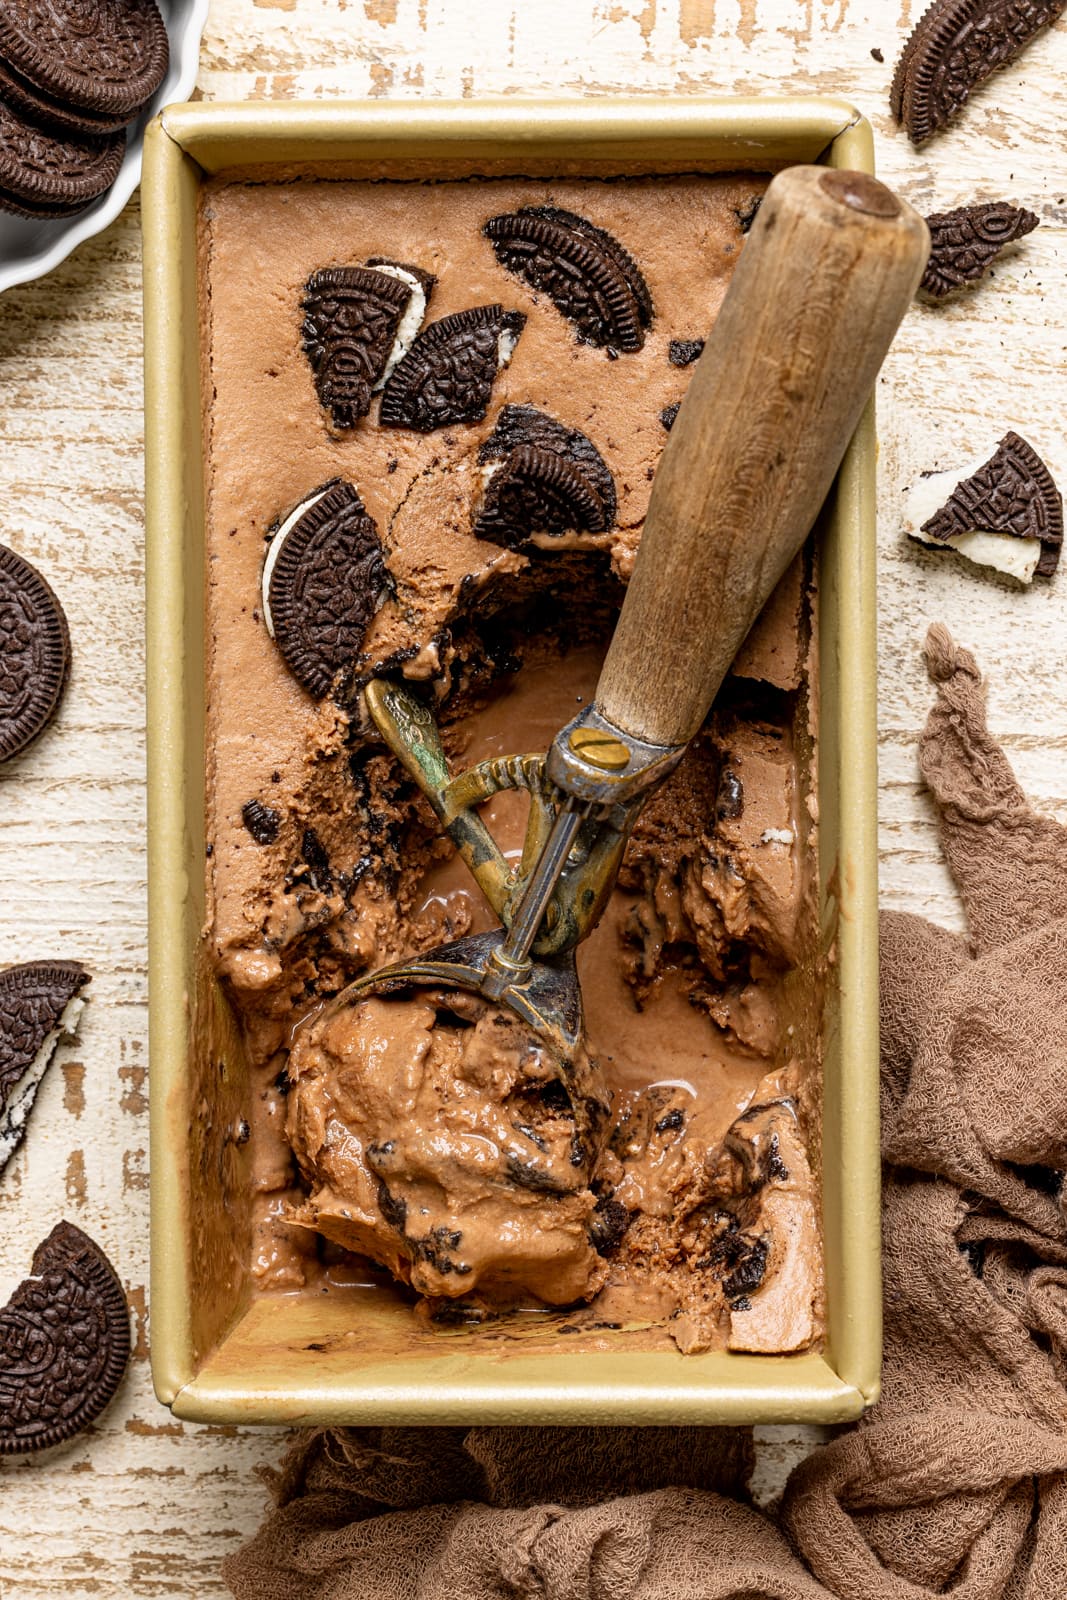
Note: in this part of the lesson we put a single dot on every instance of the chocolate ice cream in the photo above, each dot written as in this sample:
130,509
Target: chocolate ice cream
482,559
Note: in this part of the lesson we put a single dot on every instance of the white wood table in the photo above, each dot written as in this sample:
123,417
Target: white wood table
144,1505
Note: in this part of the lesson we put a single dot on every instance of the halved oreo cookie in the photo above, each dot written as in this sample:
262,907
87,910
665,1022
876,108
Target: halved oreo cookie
34,653
955,46
358,323
64,1343
447,375
108,56
587,274
40,1002
53,174
964,242
323,580
552,479
537,492
1012,493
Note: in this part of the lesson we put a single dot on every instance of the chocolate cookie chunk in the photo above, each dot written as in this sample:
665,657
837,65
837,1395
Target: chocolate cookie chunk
587,274
34,653
53,174
955,46
447,375
64,1343
323,580
354,319
1013,493
963,242
262,822
553,479
683,352
39,1002
108,56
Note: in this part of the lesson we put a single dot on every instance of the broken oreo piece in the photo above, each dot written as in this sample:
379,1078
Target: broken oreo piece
1007,513
261,821
64,1343
955,46
447,375
352,316
588,275
964,242
34,653
40,1003
668,415
323,580
552,479
536,491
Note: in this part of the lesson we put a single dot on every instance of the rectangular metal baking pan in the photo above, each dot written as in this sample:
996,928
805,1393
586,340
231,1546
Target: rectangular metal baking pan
218,1355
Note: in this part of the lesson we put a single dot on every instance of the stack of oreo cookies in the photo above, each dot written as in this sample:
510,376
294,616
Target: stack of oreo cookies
73,73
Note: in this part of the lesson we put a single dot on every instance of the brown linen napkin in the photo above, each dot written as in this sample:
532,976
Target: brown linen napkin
957,1483
458,1514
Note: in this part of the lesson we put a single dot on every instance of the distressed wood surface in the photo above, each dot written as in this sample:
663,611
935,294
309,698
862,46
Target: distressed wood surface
146,1506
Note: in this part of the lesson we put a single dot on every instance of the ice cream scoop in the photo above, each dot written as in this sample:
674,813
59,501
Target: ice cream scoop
827,272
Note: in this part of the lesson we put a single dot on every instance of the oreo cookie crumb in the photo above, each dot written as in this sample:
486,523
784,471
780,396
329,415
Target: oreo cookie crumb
669,413
261,821
683,352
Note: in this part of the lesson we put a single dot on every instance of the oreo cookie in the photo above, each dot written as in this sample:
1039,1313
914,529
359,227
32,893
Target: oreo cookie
52,174
1012,493
588,275
323,580
541,477
34,653
964,242
447,376
64,1343
42,108
359,322
683,352
102,56
955,46
40,1003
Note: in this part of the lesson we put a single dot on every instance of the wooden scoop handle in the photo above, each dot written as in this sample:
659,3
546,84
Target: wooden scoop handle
825,276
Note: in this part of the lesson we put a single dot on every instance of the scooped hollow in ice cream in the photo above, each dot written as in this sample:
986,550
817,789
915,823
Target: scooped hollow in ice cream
437,1140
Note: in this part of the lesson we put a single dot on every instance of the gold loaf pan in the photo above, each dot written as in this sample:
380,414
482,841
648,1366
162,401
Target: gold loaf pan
218,1355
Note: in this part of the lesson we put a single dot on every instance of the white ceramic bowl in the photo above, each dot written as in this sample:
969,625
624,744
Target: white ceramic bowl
30,247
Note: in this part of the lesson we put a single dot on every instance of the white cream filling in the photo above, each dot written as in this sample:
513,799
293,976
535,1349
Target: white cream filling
17,1111
274,550
410,322
505,345
1018,558
776,836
